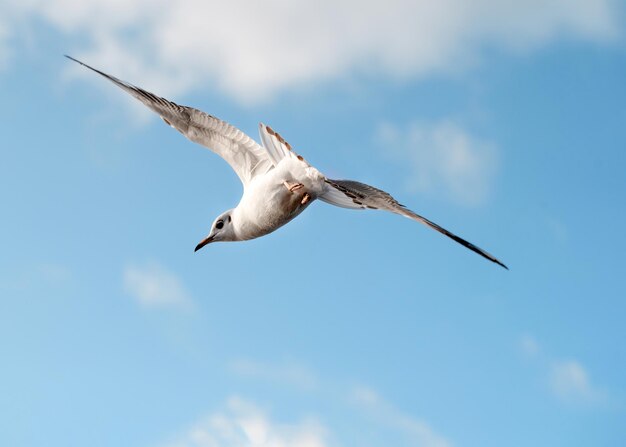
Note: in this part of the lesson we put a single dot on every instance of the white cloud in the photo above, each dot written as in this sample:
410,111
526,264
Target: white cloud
154,286
558,229
290,373
55,273
570,382
567,379
373,409
529,345
243,424
385,413
46,275
253,50
443,159
4,46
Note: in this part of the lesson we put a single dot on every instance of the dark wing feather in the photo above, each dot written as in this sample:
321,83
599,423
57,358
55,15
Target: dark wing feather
361,196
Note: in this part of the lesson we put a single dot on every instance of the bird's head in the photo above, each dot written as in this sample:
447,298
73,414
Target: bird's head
221,230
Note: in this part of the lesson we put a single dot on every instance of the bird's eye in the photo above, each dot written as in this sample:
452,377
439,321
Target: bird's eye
219,225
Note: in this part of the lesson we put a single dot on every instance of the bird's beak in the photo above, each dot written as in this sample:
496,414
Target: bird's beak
204,242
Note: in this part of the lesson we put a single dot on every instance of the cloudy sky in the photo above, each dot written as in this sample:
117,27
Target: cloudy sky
503,121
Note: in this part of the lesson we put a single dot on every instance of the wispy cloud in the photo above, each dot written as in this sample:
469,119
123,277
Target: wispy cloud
420,433
152,285
244,424
367,405
57,273
4,46
45,275
529,345
558,229
254,50
570,381
291,373
443,159
567,379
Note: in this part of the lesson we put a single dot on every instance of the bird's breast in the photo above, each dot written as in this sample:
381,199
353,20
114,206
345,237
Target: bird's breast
268,205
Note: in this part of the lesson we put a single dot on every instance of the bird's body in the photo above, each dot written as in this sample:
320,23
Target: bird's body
278,183
267,203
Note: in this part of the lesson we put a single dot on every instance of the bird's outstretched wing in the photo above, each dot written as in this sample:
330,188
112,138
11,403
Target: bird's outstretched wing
247,158
356,195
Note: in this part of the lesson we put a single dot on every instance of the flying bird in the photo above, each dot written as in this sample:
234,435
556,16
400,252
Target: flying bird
278,183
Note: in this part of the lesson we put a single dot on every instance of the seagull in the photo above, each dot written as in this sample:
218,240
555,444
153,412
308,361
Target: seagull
278,183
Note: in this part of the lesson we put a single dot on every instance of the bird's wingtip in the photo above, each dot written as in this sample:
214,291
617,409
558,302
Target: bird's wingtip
76,60
501,264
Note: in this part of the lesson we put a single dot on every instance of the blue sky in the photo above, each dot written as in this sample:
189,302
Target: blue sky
504,123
